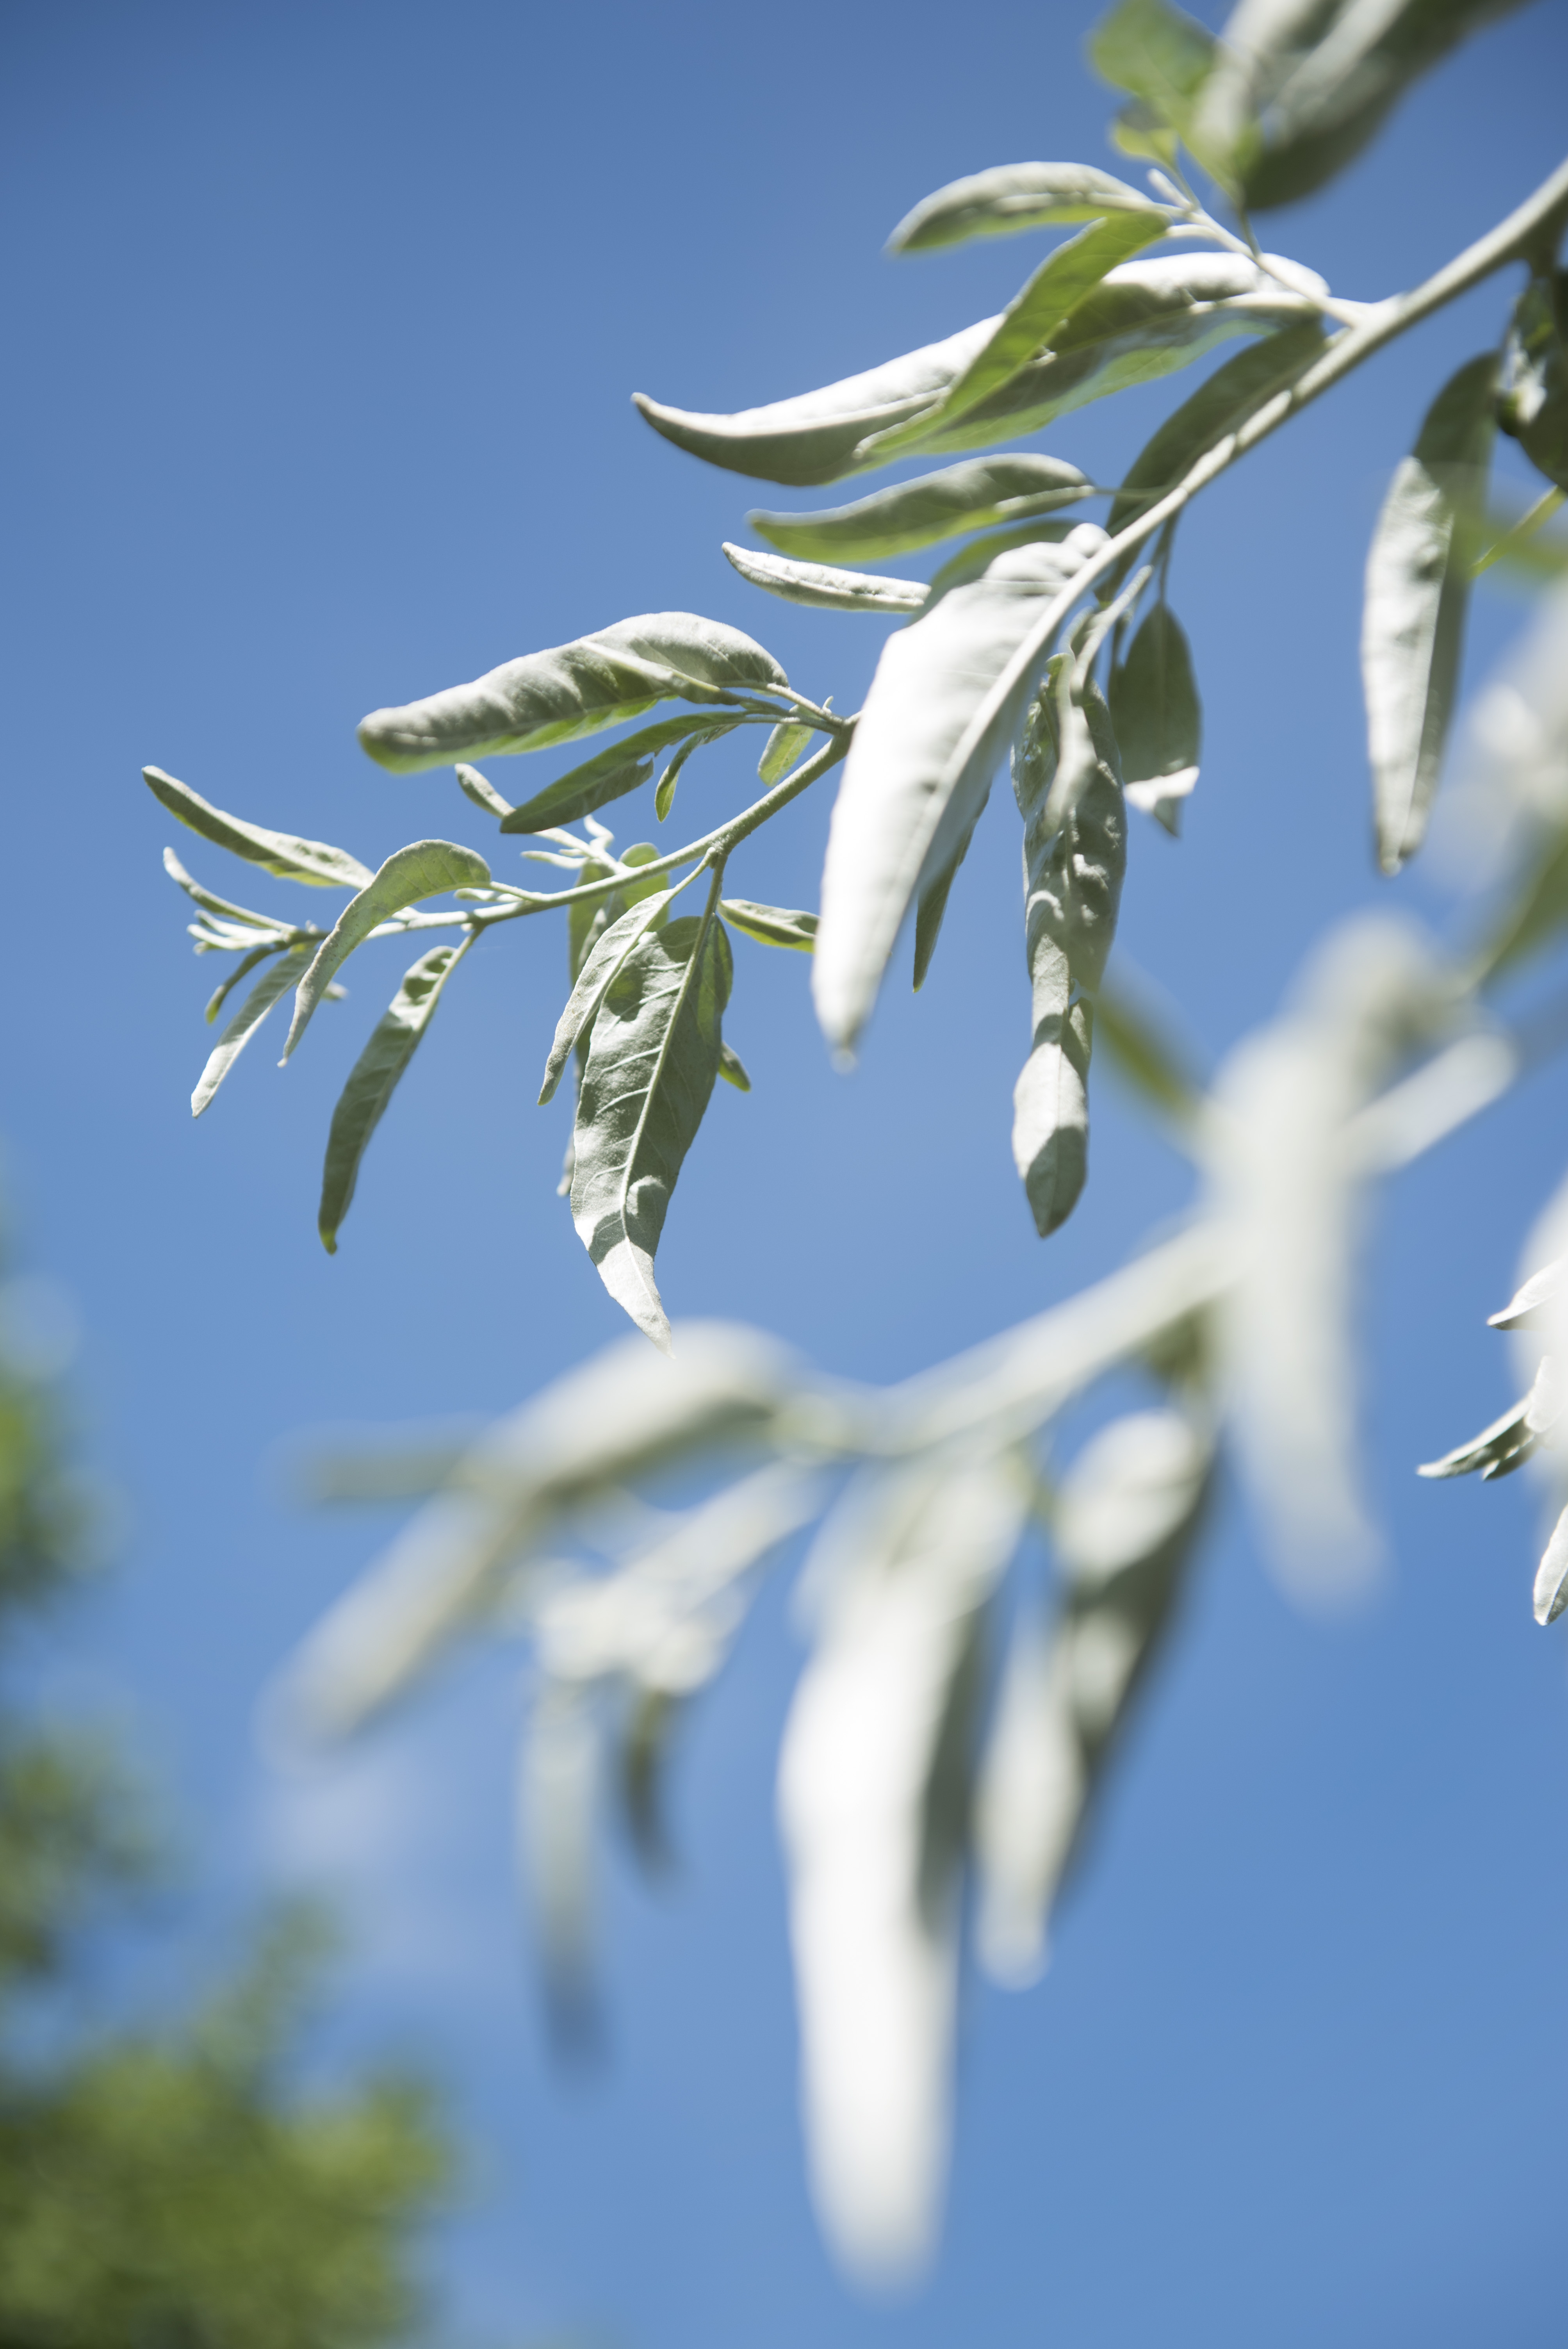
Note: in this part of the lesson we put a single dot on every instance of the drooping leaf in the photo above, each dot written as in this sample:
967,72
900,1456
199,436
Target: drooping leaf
1533,391
1155,711
278,853
1501,1448
614,1418
1015,196
820,585
912,514
1418,589
1125,1522
219,995
623,767
783,746
284,974
482,791
1140,322
772,926
872,1789
242,915
1074,862
424,869
375,1078
1032,321
598,971
921,764
573,690
653,1058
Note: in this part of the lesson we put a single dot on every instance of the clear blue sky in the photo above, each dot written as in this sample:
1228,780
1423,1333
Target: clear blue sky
323,322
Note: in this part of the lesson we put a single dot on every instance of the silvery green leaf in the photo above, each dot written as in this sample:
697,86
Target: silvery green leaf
665,790
975,558
1162,56
1533,395
1125,1517
772,926
573,690
1550,1595
482,791
1139,129
560,1769
1031,323
425,869
374,1078
598,972
614,1418
935,723
278,853
241,915
783,746
1140,322
1525,1308
1288,1189
652,1056
732,1069
220,995
1075,855
1323,79
1497,1451
284,974
623,767
1220,406
1014,196
905,1566
818,584
1155,710
1418,588
912,514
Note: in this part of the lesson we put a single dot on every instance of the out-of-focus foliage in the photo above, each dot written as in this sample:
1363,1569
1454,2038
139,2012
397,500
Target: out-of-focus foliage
166,2186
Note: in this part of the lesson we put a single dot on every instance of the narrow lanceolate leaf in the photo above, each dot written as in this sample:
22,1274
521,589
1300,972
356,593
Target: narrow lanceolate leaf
1072,869
1030,322
1418,587
1527,1306
783,746
1533,396
920,768
241,915
278,852
598,972
1220,406
1015,196
1158,723
623,767
912,514
651,1061
219,995
424,869
872,1792
772,926
1126,1518
1510,1441
482,791
375,1078
573,690
1141,321
830,590
273,983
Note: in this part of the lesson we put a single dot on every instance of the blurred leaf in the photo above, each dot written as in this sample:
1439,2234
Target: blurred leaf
220,995
919,770
830,590
286,973
1133,1041
905,1565
1532,394
1542,1289
622,768
1159,723
598,971
652,1059
772,926
278,853
1497,1451
374,1078
1164,58
1418,588
1142,320
573,690
918,514
1125,1522
732,1069
1551,1593
482,791
425,868
1016,196
559,1779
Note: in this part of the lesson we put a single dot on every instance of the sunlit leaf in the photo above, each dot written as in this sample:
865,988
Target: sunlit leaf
783,749
424,869
772,926
220,995
1162,56
911,514
373,1080
1418,589
1533,393
1015,196
623,767
573,690
482,791
599,968
278,853
1155,710
284,974
820,585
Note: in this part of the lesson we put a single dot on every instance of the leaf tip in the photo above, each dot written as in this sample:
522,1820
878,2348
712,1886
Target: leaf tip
328,1238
